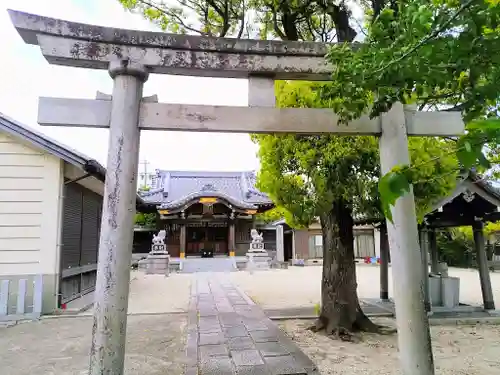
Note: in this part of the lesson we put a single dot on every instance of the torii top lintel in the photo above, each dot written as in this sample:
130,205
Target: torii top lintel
81,45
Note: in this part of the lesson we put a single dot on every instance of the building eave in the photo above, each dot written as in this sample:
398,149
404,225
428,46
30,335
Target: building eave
57,149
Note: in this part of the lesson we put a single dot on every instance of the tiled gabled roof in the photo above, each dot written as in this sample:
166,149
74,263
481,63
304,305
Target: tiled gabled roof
175,188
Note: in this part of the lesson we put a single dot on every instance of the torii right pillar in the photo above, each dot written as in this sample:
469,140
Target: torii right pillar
414,339
482,265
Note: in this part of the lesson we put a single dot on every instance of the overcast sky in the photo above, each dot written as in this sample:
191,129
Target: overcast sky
25,75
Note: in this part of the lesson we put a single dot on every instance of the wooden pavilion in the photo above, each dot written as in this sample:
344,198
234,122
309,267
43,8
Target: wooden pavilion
473,202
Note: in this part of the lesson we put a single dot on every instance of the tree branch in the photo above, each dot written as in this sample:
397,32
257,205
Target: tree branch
242,20
276,26
171,14
429,37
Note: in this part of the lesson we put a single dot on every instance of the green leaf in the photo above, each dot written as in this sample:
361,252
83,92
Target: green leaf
469,151
392,186
490,124
468,146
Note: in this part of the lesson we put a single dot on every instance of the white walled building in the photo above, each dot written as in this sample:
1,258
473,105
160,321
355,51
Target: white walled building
50,214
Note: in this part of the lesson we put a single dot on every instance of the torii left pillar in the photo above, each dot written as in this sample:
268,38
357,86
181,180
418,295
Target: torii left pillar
115,248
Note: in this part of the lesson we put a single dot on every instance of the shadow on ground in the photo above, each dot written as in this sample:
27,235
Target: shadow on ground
155,345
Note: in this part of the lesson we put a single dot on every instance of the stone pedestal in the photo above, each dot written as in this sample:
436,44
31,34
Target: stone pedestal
158,264
142,264
257,257
158,260
444,291
450,291
435,290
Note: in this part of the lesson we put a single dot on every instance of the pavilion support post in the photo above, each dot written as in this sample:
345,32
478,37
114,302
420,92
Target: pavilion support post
384,263
412,322
424,253
482,264
232,238
182,240
280,243
433,250
115,247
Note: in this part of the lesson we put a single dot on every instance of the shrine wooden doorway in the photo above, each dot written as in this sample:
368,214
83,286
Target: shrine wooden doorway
207,236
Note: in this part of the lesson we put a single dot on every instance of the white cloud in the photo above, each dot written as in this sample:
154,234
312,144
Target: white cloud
26,75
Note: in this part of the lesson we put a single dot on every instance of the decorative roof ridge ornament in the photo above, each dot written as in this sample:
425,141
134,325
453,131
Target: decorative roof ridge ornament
468,195
208,187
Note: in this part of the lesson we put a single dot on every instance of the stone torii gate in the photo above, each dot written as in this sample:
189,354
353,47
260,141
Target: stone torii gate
130,56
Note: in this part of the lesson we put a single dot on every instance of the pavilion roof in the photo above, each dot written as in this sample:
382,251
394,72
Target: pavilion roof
474,198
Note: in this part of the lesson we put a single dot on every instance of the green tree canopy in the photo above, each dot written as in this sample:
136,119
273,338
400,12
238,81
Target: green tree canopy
305,174
145,220
439,54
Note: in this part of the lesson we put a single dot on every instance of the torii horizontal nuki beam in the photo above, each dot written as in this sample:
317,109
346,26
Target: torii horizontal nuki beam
81,45
184,117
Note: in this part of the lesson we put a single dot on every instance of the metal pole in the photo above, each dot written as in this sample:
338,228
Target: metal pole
115,247
280,250
482,265
424,253
412,322
384,264
433,250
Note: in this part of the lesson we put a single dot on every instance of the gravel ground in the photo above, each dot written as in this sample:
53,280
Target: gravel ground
157,294
301,286
458,350
61,346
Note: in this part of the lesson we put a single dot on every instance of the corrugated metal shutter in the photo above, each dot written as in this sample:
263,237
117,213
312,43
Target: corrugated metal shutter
80,241
90,227
71,227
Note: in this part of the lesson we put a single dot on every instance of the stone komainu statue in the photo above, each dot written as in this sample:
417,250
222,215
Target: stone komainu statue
256,236
159,239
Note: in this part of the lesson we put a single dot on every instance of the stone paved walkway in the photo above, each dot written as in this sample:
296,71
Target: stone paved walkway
229,335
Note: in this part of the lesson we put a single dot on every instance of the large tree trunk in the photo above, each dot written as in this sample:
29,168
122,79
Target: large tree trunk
340,312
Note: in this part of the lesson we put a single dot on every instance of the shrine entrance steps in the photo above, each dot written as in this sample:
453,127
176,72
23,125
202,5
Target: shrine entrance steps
228,334
222,264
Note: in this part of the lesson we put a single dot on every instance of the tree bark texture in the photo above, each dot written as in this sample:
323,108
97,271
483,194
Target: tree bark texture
340,312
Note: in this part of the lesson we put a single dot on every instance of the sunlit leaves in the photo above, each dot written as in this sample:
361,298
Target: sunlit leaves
392,186
145,220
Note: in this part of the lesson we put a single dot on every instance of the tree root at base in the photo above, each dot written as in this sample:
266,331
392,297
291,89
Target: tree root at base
345,332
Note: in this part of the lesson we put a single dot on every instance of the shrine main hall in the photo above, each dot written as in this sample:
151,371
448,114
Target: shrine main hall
200,211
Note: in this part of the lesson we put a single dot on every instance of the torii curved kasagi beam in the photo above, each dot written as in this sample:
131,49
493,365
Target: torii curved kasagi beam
81,45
